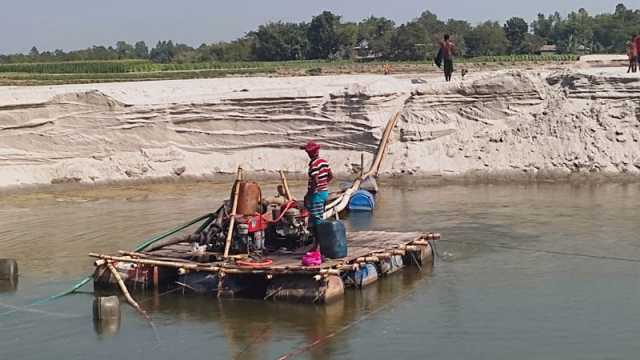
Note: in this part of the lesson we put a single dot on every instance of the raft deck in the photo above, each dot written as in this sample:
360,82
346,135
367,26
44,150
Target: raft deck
370,254
361,245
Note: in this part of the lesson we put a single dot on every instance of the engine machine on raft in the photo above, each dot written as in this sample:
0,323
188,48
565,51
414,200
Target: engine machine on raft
259,225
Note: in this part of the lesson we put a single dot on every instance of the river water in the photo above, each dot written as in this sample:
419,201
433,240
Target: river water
538,271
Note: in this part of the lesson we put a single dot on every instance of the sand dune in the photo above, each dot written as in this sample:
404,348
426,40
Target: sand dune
509,122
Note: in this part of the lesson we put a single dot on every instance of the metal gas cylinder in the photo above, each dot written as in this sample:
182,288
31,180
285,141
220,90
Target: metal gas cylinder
249,197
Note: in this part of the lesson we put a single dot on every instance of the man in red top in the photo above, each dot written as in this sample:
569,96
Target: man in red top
319,177
448,48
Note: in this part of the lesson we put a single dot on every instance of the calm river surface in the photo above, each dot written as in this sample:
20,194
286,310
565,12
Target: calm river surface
509,283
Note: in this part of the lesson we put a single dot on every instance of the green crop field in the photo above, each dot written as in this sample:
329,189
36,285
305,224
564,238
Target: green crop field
137,70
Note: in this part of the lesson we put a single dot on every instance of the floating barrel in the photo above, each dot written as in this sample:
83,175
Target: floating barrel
391,264
137,276
367,274
305,289
242,285
362,200
332,237
422,257
8,269
106,315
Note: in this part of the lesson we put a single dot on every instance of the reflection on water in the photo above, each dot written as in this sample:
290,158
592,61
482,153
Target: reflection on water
484,299
9,286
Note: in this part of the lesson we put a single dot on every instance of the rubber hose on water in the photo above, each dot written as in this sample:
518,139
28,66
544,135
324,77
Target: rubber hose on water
140,247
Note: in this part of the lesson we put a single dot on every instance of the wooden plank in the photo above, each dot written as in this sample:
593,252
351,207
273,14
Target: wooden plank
361,244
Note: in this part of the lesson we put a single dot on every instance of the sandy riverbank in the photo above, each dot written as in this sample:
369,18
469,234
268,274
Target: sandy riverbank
512,123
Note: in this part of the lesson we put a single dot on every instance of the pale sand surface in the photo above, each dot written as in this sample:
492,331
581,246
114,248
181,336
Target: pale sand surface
513,122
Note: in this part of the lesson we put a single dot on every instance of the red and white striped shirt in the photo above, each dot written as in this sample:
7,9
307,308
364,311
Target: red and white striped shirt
319,175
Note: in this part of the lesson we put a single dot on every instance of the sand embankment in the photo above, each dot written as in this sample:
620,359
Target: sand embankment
491,124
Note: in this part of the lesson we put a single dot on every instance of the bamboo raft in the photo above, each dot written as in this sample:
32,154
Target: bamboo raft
180,263
371,255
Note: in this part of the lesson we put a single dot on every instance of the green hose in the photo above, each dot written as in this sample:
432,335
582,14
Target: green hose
64,293
157,238
140,247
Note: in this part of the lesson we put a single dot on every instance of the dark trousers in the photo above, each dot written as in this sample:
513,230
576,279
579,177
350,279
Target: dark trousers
448,69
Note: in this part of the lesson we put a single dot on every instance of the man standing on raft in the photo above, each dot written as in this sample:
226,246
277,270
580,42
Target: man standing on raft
319,177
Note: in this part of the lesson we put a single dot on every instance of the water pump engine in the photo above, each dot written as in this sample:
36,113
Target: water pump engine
249,234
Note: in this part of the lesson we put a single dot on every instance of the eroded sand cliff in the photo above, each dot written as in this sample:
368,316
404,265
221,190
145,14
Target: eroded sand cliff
491,124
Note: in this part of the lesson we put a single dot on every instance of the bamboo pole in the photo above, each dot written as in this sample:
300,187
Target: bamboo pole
342,201
125,292
420,242
207,267
174,264
234,208
147,256
285,185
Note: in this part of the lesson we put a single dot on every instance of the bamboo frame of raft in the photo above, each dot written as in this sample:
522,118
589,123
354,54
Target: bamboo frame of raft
228,267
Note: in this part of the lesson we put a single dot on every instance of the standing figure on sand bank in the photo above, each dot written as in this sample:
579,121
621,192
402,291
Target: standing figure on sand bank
632,53
447,47
318,190
636,43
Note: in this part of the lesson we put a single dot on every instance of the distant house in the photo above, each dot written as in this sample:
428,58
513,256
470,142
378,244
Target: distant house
582,50
548,50
362,52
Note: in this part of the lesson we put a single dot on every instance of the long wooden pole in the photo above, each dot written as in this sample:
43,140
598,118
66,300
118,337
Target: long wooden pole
234,208
285,185
125,292
211,268
175,264
342,201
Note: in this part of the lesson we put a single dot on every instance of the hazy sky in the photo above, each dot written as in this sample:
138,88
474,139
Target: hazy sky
75,24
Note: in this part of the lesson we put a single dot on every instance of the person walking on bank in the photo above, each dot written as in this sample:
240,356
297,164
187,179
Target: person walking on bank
636,43
632,54
320,175
447,48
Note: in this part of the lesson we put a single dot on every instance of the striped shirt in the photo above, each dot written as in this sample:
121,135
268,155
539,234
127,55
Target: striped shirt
319,175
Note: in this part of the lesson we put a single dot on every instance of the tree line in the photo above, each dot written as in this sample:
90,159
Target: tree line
327,36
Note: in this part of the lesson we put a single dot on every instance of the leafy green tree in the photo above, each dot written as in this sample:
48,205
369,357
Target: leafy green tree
543,27
458,29
323,35
141,51
347,36
124,50
515,30
377,32
164,52
532,43
431,24
410,42
486,39
34,52
281,41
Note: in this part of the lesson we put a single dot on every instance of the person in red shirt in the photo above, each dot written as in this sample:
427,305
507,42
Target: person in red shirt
320,175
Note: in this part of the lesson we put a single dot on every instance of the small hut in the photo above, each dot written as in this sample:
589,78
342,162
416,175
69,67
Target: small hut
548,50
